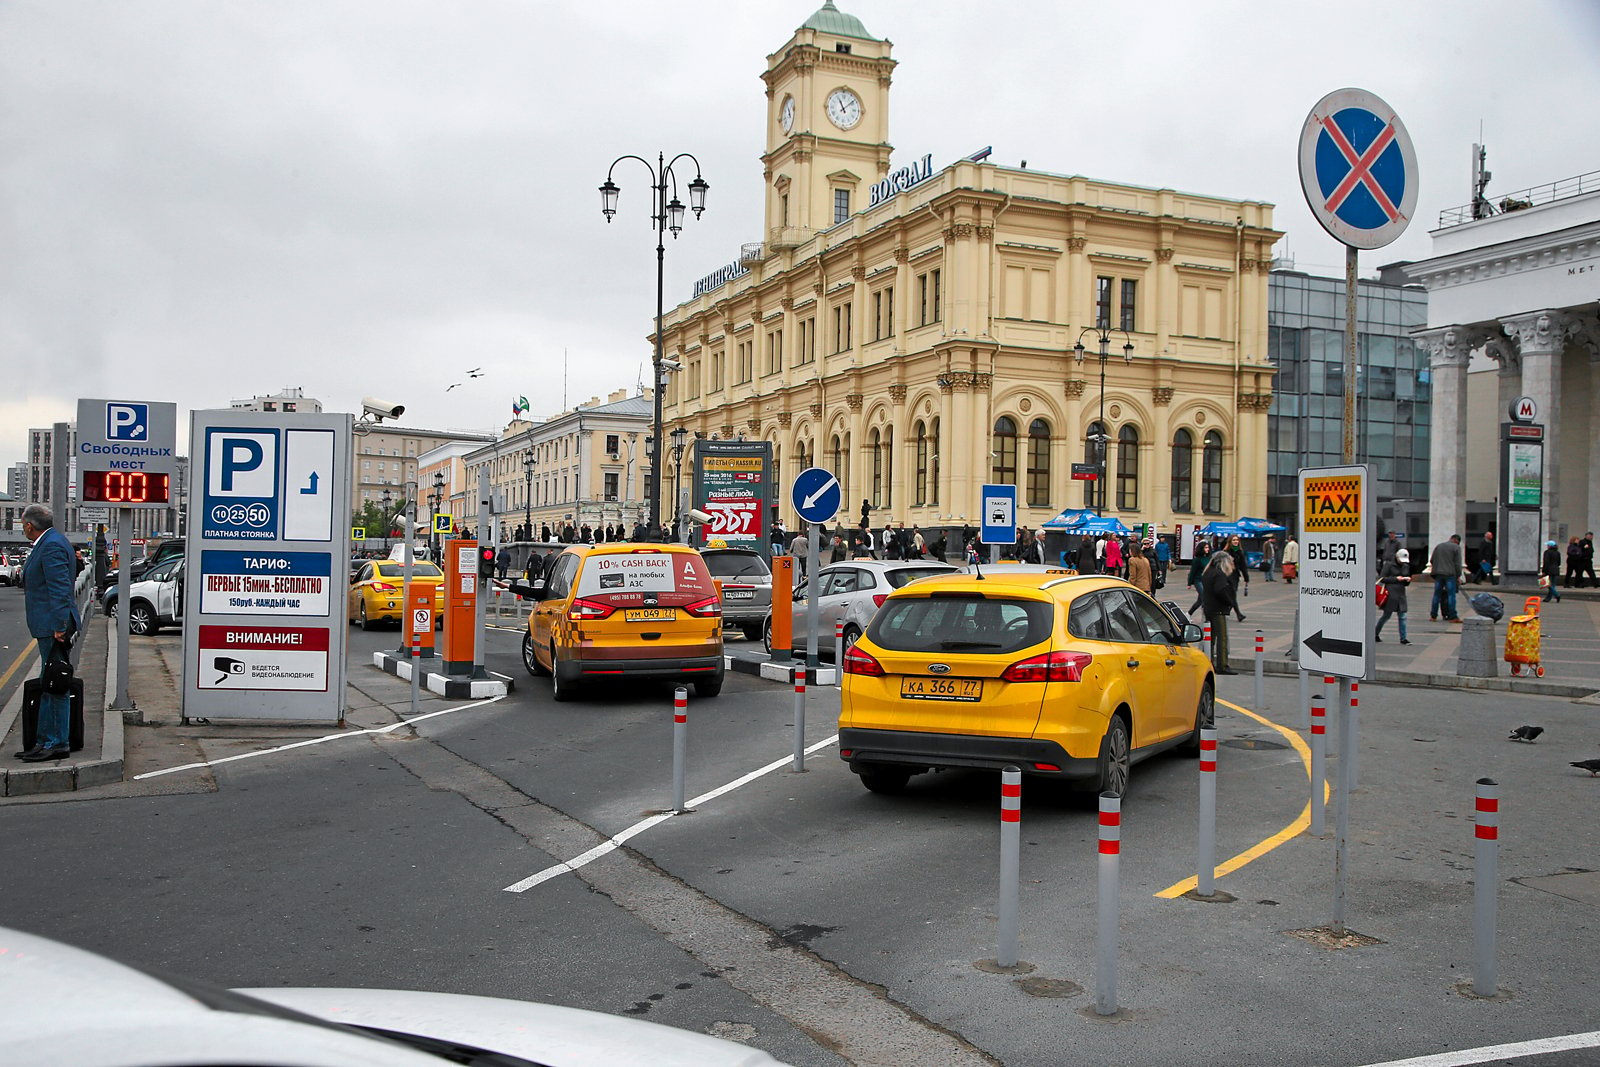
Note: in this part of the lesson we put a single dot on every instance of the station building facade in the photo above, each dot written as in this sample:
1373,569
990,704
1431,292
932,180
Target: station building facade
913,328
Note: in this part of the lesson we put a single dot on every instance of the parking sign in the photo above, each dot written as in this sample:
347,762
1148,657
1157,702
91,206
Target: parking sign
240,497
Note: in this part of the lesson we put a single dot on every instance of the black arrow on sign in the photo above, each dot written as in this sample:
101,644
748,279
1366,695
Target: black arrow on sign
1324,645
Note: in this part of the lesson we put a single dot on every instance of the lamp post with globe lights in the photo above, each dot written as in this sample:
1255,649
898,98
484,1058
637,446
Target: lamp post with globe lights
1103,336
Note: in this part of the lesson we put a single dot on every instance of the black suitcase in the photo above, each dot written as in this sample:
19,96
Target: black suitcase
32,689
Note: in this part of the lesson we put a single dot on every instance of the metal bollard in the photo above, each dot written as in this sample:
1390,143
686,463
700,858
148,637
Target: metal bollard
1208,813
799,716
416,670
680,743
838,653
1319,743
1304,714
1353,724
1486,878
1010,863
1105,971
1205,641
1261,697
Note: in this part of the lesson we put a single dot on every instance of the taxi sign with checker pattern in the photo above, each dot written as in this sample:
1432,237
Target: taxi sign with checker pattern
1337,572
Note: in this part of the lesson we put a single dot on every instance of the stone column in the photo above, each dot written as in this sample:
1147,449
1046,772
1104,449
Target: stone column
1447,442
1541,338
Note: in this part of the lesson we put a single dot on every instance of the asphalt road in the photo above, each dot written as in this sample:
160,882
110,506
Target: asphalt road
827,924
17,659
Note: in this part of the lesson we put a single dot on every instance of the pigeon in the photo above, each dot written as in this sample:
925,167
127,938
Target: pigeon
1590,765
1526,733
475,372
450,387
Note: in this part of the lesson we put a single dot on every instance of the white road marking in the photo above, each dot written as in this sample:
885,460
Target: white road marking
639,827
1515,1049
313,741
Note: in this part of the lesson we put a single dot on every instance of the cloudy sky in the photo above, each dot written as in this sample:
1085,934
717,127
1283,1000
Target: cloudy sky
202,200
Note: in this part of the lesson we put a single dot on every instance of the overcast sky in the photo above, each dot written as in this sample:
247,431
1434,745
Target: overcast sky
202,200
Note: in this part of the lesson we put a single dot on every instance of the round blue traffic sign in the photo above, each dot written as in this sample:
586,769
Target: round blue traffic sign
1358,168
816,494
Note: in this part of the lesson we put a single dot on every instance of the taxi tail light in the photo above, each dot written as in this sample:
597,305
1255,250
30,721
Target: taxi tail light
1051,667
859,661
709,608
878,599
385,587
582,610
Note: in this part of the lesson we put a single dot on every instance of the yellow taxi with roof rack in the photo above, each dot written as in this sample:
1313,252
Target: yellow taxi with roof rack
1074,677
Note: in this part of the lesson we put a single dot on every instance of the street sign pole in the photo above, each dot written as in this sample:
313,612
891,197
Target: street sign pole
999,518
1351,386
816,496
480,609
813,608
123,702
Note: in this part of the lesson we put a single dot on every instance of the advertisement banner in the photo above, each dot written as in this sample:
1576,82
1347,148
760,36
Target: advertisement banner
733,484
1525,460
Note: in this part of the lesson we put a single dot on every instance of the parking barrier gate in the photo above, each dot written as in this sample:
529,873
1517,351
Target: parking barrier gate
1010,863
1105,971
1486,877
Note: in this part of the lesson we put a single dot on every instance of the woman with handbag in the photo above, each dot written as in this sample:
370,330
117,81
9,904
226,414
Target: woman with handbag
1396,577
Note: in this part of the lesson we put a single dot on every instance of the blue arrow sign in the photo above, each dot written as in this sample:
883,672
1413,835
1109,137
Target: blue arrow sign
1358,169
816,494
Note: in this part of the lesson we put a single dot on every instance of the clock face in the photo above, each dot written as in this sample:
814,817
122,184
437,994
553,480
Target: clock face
844,108
787,114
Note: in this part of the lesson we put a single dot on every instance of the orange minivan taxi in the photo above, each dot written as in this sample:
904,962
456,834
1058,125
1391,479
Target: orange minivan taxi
625,610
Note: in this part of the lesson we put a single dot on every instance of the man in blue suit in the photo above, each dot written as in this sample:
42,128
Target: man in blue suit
53,621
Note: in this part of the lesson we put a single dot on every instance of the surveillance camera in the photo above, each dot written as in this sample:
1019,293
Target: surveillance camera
381,409
671,365
696,515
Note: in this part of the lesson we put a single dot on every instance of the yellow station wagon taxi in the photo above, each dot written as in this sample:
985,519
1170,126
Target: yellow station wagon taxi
1064,676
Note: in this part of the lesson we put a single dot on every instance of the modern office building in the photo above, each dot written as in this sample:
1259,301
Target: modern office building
1305,425
911,325
289,400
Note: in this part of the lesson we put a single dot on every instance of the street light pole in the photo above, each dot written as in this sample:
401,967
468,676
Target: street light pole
665,215
1103,336
438,498
679,437
527,496
388,520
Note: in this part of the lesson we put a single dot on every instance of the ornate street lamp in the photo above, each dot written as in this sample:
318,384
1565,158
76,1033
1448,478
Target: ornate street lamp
388,520
528,463
1103,336
666,215
680,436
438,499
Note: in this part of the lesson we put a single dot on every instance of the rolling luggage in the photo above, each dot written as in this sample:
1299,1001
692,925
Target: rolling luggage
1522,641
32,689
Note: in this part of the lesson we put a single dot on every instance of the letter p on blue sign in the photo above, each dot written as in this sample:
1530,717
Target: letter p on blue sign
127,422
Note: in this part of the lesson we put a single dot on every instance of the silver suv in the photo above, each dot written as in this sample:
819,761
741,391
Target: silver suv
851,593
746,587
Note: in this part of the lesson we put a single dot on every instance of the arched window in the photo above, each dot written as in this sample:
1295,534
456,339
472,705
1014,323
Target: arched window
1094,451
1183,472
921,493
1038,464
934,468
876,445
1004,451
1128,468
887,499
841,464
1211,474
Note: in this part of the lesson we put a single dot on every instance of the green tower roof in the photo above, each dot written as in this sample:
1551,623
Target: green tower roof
830,19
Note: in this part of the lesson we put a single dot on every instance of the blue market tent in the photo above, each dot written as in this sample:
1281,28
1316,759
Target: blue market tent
1259,526
1222,529
1094,524
1068,519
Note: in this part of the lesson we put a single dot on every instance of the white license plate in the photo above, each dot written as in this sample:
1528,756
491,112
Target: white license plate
740,594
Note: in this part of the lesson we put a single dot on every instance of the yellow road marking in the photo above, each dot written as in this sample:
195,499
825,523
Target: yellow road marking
1293,830
21,656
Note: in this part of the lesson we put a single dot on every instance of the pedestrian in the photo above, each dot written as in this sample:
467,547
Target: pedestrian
1574,564
53,621
1269,556
1034,552
535,568
1445,563
836,549
78,562
1486,560
891,543
1085,555
940,544
1549,571
1241,572
797,549
1163,561
1114,556
1217,597
1291,560
1387,550
1197,566
919,547
1587,547
1100,554
1139,572
1396,579
503,561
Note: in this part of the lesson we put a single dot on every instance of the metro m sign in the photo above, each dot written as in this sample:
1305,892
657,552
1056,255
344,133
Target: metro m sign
1332,505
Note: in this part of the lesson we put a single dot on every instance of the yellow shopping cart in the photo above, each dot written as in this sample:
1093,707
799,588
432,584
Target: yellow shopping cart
1522,640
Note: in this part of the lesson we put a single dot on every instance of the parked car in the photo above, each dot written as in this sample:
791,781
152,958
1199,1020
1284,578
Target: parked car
623,611
377,592
155,553
157,598
746,587
1069,677
112,1015
10,568
850,593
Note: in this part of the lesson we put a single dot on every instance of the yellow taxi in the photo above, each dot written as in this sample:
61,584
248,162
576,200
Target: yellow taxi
1063,676
625,610
377,589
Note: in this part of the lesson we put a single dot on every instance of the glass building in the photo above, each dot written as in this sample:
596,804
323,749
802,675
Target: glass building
1305,330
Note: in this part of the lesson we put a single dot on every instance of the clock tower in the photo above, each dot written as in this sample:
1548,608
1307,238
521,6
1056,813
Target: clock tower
827,125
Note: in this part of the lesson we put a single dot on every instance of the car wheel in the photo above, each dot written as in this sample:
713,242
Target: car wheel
361,616
705,688
529,660
561,689
1205,717
1114,758
753,631
882,779
142,619
766,635
852,634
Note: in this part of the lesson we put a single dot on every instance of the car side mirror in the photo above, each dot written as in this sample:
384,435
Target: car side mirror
1192,634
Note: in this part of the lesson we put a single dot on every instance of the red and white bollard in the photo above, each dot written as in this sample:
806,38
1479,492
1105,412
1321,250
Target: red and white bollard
1486,876
800,717
416,671
1010,864
1353,724
1205,641
838,653
680,743
1206,881
1261,660
1319,744
1105,971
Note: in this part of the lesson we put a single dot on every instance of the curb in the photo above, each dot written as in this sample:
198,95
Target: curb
451,687
1530,687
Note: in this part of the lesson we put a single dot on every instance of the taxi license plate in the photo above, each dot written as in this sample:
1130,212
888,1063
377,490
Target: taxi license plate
941,689
649,614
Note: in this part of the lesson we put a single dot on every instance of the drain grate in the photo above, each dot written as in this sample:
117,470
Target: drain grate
1251,742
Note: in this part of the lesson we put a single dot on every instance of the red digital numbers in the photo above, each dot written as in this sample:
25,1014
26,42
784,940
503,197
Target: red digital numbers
125,487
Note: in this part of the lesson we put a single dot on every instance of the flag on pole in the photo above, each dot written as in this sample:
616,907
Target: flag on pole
519,406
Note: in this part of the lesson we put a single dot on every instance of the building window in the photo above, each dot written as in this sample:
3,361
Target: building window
883,313
784,200
1094,451
927,298
1004,451
842,321
807,349
1102,302
841,464
774,351
877,468
747,361
613,444
933,464
716,372
1038,464
1211,474
1130,292
1183,472
841,205
921,489
612,484
691,385
1127,469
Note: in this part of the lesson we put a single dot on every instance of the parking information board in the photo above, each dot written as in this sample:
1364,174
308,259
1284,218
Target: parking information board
733,484
127,453
1338,570
267,560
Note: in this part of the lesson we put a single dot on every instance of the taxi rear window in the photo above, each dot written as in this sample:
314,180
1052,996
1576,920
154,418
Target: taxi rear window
418,570
954,623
